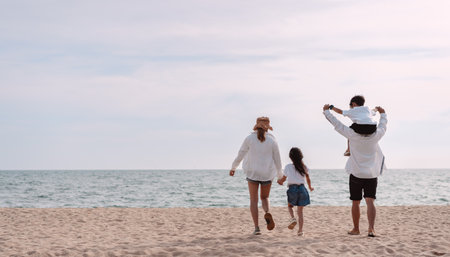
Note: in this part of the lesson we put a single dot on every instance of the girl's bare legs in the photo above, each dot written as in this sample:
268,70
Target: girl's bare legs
253,190
291,210
300,218
293,221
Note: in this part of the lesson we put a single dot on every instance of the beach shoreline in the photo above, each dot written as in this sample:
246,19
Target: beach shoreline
402,231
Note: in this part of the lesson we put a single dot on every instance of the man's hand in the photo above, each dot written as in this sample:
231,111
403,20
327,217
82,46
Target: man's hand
231,172
280,181
380,109
326,107
311,189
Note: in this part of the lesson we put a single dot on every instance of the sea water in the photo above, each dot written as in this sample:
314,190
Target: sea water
202,188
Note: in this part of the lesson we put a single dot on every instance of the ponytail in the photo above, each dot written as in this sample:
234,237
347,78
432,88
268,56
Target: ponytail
261,134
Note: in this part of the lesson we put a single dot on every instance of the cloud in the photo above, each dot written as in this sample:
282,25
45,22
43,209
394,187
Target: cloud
148,81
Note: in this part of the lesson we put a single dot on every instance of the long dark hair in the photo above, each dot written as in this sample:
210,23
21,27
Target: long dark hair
261,134
297,159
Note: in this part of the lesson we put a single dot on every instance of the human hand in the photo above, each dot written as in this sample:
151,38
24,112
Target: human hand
231,172
280,181
311,189
380,109
326,107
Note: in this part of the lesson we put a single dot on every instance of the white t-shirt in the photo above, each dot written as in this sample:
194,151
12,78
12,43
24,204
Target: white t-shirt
293,176
361,115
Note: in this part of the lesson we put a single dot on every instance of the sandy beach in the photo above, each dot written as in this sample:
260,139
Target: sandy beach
402,231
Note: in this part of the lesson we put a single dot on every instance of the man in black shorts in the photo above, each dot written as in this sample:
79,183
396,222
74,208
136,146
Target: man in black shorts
364,165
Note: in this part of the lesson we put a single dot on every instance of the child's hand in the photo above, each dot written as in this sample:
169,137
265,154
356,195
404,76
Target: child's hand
280,181
311,189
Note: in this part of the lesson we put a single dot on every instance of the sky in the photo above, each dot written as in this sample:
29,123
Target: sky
179,84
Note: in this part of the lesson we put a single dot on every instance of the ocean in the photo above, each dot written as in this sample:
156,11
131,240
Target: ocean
202,188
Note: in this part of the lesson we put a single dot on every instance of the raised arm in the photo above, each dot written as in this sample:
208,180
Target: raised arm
338,126
381,129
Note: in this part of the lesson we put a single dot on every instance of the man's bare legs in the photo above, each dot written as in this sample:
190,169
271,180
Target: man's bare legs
355,216
371,213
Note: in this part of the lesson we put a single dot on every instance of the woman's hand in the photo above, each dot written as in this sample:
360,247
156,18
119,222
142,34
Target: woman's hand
281,180
231,172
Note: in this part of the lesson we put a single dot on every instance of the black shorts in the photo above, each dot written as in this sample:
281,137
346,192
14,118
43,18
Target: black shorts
358,185
364,129
263,183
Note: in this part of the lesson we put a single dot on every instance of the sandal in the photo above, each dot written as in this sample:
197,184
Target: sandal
300,234
269,221
371,234
292,223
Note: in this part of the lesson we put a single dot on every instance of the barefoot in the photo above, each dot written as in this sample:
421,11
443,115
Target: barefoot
353,232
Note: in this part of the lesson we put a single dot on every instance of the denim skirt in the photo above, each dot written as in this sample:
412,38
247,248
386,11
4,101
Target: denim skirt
298,195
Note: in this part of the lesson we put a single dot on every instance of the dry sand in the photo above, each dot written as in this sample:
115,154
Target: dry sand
403,231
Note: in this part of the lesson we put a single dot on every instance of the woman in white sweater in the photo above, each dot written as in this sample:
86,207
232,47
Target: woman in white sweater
261,165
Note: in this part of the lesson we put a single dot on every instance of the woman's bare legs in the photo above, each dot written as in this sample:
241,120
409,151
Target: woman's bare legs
253,190
265,191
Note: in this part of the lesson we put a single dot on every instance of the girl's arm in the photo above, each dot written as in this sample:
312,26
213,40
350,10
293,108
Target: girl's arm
281,180
309,182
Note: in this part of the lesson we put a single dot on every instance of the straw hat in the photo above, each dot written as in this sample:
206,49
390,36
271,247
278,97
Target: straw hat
263,122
